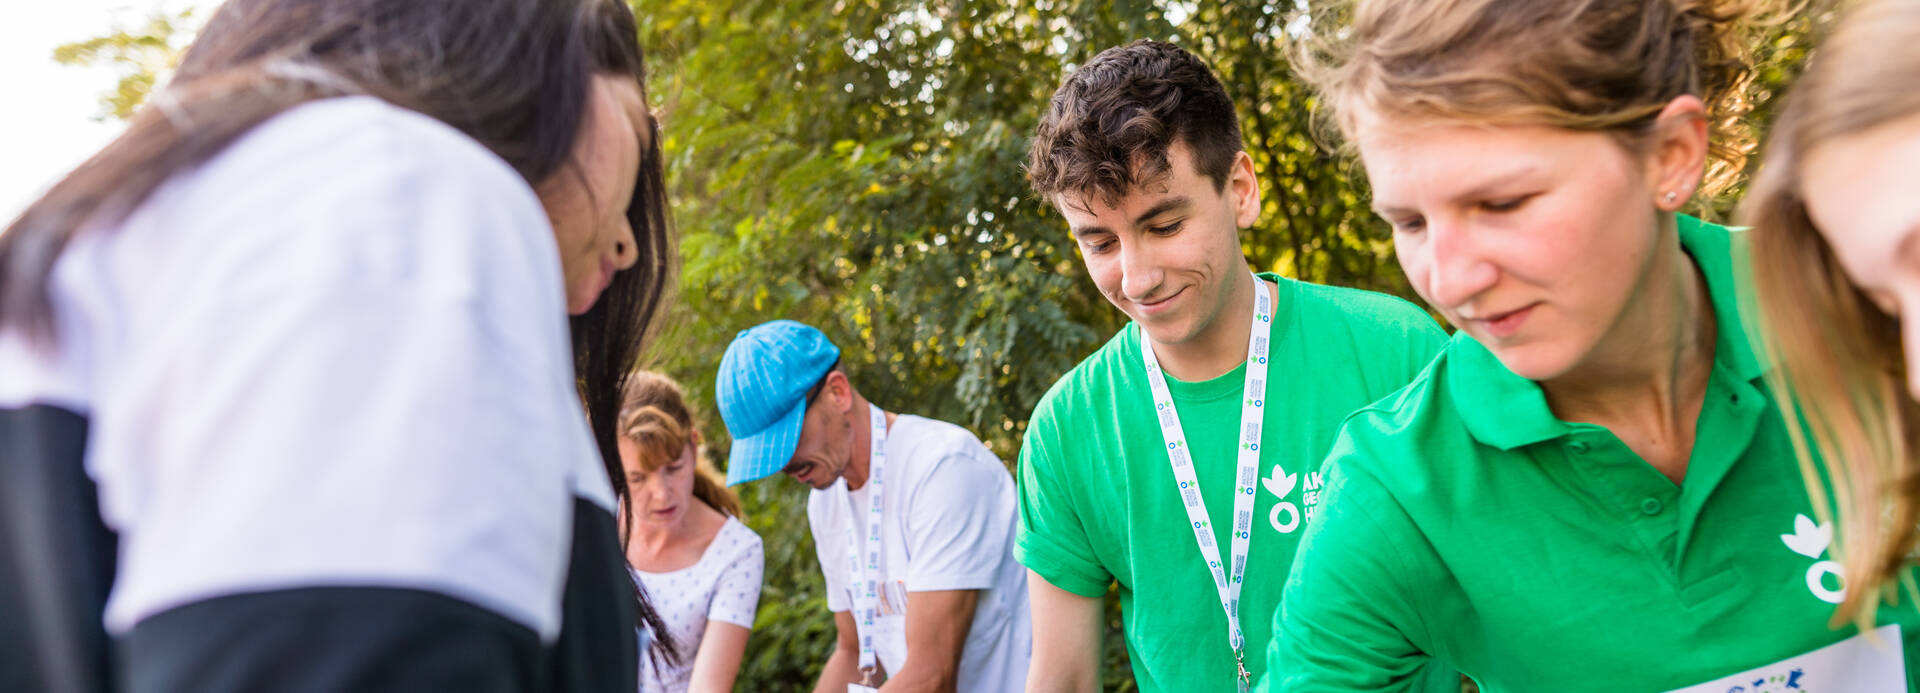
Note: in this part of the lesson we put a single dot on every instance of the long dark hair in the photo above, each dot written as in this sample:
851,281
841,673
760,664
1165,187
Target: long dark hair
512,74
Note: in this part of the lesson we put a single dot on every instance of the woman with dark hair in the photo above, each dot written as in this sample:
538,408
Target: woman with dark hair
286,397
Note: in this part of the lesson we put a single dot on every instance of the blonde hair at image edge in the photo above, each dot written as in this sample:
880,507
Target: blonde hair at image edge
655,416
1837,355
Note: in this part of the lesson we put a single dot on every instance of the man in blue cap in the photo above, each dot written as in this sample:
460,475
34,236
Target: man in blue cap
913,519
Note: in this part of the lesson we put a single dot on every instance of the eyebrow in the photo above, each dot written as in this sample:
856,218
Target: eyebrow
1171,204
1482,190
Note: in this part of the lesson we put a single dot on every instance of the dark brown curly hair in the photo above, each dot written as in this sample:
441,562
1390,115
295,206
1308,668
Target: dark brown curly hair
1109,125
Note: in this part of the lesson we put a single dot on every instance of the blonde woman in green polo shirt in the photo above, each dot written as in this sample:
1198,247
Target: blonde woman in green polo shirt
1590,488
1836,265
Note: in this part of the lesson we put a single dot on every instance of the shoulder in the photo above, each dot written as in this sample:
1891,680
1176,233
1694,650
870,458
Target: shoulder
738,540
945,459
359,143
392,180
1397,434
1089,381
932,442
1359,310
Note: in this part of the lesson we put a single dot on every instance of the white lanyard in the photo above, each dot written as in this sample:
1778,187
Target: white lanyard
1251,419
864,575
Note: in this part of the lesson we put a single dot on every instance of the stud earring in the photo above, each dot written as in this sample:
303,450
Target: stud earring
1671,196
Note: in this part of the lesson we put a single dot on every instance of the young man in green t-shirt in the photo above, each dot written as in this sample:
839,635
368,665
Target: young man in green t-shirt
1181,460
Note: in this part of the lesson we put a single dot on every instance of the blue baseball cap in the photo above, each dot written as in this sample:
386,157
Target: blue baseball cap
762,389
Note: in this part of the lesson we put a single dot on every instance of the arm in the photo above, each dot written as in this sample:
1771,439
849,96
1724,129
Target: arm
718,662
844,666
937,624
736,598
1066,639
1348,621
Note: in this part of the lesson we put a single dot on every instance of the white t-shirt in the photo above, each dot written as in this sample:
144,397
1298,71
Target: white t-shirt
950,518
335,354
724,585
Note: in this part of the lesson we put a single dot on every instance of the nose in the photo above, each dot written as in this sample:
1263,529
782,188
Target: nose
626,252
1457,266
1140,276
657,488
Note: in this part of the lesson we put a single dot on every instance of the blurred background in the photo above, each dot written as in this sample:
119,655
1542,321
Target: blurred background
857,165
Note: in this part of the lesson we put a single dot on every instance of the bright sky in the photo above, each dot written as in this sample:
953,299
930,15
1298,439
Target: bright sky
48,125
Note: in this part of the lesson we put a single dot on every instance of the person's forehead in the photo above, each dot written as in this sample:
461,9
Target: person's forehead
630,97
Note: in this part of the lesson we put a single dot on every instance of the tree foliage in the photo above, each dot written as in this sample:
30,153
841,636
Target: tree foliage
857,165
142,55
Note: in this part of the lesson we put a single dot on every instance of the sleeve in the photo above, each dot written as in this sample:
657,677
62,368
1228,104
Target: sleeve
1052,542
736,593
960,519
829,546
1346,622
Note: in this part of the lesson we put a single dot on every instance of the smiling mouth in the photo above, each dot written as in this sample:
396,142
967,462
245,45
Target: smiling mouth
1161,302
1504,324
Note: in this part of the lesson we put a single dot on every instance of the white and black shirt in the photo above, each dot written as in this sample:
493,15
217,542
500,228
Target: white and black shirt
323,377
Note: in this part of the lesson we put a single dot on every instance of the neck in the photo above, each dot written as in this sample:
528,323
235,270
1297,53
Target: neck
649,538
859,459
1649,373
1220,346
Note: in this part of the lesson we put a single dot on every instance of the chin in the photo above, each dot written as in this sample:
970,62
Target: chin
1534,360
1174,330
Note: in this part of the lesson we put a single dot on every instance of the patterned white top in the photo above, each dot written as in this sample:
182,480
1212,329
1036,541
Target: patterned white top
724,585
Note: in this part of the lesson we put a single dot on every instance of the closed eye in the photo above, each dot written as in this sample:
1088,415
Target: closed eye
1505,205
1167,229
1408,224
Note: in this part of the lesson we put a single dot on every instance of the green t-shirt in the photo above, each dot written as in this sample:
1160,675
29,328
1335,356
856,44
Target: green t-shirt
1098,501
1464,523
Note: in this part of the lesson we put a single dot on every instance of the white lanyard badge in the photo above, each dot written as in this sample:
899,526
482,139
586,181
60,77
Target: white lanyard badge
1180,456
864,575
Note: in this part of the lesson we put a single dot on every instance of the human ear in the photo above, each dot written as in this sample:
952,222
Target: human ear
1244,187
1677,154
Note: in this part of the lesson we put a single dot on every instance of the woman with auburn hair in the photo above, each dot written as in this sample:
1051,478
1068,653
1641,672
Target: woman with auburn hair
685,541
1590,488
1836,264
288,388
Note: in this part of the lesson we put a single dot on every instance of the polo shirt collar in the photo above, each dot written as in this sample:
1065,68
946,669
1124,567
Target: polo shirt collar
1506,411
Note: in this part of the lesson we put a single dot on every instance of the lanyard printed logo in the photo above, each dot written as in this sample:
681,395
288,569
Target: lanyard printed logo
863,567
1252,418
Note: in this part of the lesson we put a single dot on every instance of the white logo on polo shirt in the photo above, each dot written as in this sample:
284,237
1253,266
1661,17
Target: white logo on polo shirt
1811,539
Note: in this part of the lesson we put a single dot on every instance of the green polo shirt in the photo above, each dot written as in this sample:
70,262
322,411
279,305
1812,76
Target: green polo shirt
1465,523
1098,500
